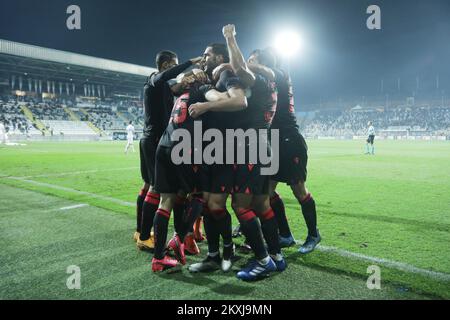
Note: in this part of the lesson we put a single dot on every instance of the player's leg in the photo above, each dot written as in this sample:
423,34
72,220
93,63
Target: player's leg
149,208
194,210
266,215
160,261
184,220
142,194
179,209
367,145
222,220
213,225
251,228
148,148
308,206
197,230
372,140
277,204
127,146
139,204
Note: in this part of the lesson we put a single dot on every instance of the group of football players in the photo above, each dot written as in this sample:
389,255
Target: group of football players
225,92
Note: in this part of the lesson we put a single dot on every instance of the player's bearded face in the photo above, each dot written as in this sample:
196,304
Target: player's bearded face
210,61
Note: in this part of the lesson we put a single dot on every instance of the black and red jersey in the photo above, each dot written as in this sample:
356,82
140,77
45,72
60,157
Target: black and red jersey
180,118
262,105
158,99
261,100
284,118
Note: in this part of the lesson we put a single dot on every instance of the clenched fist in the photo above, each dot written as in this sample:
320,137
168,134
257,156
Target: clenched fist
229,31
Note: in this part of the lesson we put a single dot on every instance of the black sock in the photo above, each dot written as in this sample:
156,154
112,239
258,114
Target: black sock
161,224
149,208
212,231
270,231
193,211
310,215
226,230
139,205
178,212
223,222
280,214
252,231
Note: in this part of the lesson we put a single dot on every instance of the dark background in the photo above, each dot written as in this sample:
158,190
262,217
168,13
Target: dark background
341,57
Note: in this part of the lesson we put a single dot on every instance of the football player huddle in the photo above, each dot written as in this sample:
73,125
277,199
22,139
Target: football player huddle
214,128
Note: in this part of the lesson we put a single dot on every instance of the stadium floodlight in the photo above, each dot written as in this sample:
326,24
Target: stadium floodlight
288,43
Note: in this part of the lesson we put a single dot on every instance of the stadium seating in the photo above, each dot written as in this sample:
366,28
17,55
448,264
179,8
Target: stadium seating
64,127
14,120
112,116
417,120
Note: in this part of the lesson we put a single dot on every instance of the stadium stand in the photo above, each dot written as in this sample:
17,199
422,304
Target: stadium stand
64,127
54,93
401,120
14,119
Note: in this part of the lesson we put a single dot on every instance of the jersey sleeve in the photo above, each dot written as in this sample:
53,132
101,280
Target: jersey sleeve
227,81
171,73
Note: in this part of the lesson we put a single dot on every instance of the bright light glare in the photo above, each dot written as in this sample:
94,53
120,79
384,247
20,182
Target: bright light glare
288,43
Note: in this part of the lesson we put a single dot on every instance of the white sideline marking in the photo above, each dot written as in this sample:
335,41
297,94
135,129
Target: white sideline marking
89,194
82,205
76,172
344,253
388,263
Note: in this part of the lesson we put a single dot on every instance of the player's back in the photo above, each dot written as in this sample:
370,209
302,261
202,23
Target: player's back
180,118
158,101
284,118
262,105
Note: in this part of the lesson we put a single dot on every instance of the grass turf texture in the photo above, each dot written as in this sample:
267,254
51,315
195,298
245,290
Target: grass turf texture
394,205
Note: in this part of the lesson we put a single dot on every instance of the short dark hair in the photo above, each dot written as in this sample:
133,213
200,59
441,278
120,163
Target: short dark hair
220,49
164,56
265,57
274,52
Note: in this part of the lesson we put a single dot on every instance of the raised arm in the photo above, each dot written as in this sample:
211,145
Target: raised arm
173,72
262,70
237,60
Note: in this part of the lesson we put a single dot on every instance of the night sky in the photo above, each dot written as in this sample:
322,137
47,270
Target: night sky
341,57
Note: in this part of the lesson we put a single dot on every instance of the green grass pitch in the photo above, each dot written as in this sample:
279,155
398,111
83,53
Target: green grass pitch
390,210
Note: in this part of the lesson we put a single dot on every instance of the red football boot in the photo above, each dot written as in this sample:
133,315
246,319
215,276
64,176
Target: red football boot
190,246
177,246
163,264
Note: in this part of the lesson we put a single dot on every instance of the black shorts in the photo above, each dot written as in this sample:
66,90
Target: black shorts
147,150
171,178
221,178
247,176
293,158
370,139
248,179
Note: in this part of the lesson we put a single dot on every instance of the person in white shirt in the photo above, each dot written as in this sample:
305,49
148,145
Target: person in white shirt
370,149
3,134
130,137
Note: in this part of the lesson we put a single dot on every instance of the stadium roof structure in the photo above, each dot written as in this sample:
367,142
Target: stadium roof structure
44,63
